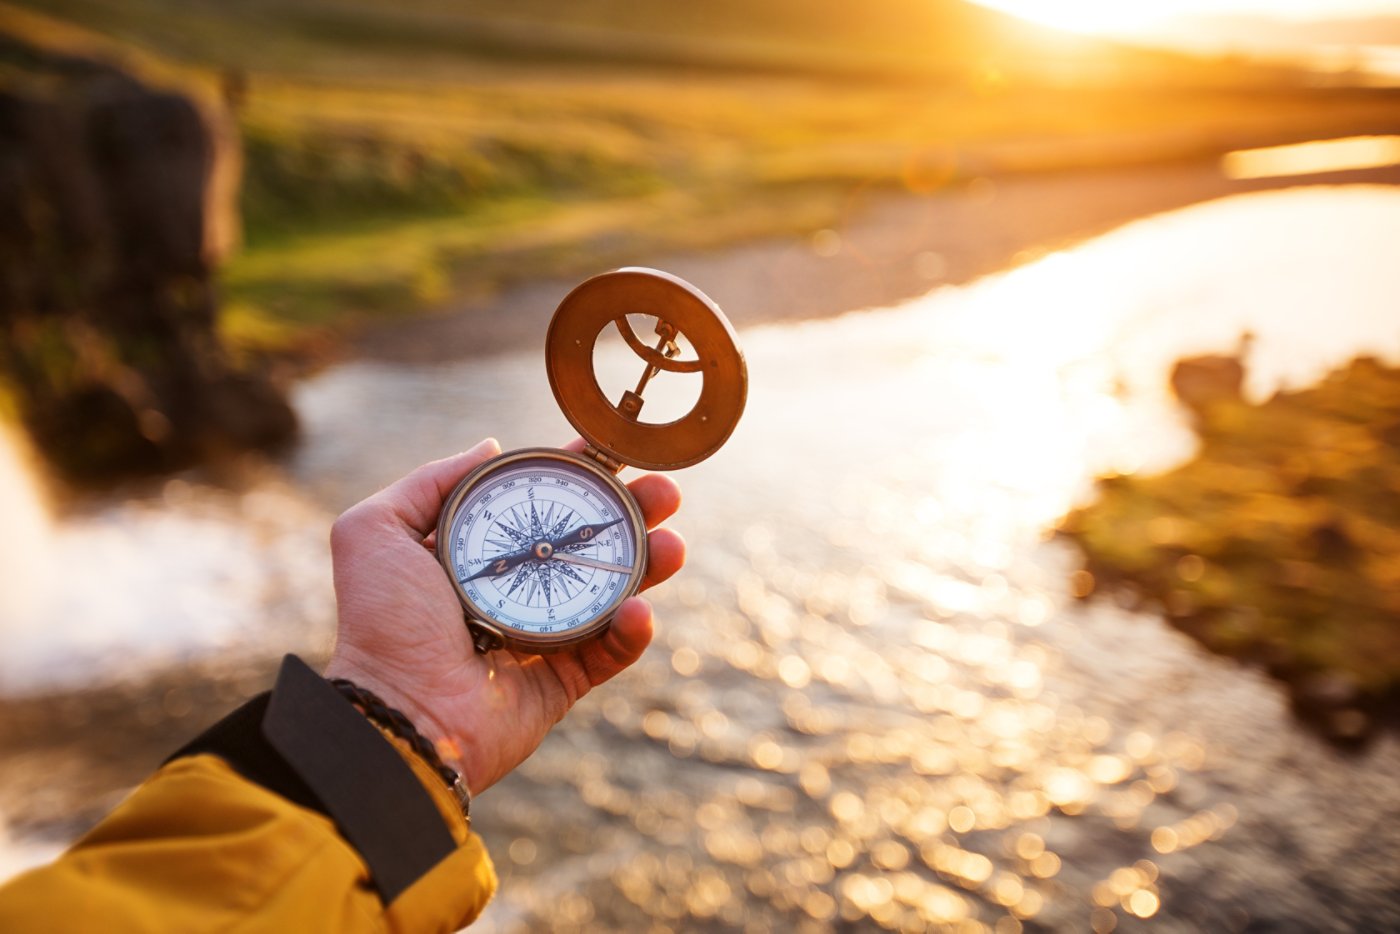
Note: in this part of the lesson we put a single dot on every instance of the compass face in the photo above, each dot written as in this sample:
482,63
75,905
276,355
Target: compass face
542,546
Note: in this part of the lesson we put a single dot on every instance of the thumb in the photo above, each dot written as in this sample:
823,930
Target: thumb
416,499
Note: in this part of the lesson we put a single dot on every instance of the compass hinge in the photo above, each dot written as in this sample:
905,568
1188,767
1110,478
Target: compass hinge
611,463
485,638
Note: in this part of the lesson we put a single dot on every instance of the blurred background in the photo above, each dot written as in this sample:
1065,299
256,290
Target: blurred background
1051,581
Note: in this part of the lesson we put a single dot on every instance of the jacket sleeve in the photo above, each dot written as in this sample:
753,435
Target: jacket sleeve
216,841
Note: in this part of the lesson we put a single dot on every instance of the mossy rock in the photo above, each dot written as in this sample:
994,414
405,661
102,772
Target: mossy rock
1278,544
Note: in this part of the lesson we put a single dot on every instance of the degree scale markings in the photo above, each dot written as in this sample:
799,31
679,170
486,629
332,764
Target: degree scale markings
542,503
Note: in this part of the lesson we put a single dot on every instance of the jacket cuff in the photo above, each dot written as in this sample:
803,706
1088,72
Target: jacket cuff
446,803
310,745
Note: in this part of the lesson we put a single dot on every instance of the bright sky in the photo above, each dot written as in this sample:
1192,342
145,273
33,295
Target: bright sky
1120,15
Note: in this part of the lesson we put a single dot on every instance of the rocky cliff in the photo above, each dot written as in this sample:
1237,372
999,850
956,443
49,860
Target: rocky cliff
116,201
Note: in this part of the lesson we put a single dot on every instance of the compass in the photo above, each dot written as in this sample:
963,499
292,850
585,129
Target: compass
542,545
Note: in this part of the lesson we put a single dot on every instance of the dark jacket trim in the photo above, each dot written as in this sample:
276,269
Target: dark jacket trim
307,743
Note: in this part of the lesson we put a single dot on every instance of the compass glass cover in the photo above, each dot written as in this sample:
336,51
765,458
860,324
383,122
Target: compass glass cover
541,547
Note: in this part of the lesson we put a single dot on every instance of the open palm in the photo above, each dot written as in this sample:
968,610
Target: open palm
400,630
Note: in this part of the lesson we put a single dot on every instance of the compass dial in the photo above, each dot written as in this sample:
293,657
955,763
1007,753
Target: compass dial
542,547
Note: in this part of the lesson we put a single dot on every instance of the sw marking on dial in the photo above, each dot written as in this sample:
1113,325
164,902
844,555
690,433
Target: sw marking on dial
543,548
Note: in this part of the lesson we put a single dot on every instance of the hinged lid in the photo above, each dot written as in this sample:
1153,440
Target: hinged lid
679,307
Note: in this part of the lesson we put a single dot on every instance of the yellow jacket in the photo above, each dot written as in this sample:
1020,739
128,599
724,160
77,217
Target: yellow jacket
201,847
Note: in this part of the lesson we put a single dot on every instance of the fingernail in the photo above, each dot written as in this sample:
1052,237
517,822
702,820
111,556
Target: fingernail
488,447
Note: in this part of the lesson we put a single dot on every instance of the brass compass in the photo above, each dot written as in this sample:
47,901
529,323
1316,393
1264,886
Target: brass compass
542,545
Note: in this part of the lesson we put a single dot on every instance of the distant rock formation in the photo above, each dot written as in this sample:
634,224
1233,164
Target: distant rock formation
116,200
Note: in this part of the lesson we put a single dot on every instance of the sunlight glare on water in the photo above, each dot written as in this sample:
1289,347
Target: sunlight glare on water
1331,155
141,585
25,562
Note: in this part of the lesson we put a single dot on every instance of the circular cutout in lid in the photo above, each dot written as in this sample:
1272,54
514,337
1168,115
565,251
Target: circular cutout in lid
614,428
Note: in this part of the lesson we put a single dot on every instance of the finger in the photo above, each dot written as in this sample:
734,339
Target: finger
624,642
665,555
658,495
416,499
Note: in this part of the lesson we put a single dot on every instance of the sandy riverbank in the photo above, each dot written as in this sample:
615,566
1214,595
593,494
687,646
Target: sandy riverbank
887,249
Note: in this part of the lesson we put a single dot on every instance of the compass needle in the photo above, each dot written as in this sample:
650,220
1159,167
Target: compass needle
587,562
584,535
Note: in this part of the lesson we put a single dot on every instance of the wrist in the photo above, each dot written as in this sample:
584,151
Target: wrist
449,803
406,738
343,666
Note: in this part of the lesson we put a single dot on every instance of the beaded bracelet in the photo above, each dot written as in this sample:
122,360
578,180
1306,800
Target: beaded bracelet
373,707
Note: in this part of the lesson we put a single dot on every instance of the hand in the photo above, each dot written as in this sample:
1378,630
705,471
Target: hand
400,631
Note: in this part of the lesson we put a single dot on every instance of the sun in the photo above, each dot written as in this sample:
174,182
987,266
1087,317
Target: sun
1126,17
1092,16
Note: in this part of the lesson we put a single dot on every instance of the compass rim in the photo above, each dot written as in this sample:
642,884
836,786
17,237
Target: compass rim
514,638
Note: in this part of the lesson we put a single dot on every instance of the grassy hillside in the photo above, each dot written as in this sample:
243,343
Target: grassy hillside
945,38
400,155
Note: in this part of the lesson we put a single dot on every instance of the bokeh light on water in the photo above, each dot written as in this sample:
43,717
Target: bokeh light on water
874,700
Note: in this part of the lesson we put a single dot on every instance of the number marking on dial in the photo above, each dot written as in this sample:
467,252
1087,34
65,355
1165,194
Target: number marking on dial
536,560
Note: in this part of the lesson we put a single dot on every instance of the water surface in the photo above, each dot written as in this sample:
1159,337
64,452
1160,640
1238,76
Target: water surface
872,699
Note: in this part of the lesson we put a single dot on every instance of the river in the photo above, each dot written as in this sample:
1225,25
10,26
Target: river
872,699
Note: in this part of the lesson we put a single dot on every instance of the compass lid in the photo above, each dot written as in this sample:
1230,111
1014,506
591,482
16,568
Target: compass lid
614,428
